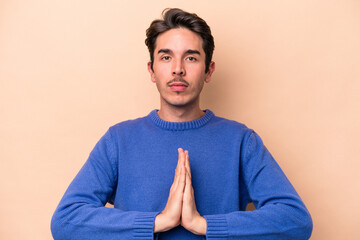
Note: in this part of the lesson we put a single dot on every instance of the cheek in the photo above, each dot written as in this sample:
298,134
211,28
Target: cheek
160,83
200,85
162,67
196,70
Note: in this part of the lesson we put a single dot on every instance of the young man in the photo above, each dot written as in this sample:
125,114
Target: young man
220,165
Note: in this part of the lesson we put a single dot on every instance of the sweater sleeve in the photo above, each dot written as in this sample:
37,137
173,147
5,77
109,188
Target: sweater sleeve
81,213
280,213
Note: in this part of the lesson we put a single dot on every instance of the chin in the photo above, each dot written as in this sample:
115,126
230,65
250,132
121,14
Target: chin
179,101
180,104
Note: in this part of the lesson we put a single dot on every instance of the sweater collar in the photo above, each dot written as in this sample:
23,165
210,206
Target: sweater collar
181,126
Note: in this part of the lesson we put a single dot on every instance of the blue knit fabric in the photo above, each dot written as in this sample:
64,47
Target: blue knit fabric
133,166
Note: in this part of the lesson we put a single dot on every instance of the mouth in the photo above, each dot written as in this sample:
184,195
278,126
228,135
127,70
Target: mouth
178,85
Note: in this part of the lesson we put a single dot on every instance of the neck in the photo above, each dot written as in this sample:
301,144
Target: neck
180,113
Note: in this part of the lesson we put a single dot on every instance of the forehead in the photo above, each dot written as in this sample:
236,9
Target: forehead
179,39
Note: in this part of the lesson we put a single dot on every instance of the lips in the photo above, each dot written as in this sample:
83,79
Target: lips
178,87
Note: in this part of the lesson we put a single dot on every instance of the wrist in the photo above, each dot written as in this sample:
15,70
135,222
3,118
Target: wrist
199,227
162,224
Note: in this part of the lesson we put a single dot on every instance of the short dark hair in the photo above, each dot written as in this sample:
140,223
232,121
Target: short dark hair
177,18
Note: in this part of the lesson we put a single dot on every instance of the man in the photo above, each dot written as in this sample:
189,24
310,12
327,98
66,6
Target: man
220,165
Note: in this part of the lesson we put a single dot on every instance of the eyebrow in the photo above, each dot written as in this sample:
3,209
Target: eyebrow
190,51
193,52
164,50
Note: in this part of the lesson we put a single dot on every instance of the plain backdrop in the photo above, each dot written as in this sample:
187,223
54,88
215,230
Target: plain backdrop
71,69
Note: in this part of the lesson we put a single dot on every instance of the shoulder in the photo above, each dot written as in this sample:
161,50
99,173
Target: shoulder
230,125
128,125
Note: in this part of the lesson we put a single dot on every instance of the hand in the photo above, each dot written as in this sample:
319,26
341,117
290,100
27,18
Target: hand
190,217
170,216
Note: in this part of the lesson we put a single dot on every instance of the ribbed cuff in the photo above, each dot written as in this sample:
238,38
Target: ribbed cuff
217,227
144,226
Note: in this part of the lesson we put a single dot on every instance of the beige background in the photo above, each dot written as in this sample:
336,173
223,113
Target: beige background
70,69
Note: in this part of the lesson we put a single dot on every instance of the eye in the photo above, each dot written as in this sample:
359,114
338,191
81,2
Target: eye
192,59
166,58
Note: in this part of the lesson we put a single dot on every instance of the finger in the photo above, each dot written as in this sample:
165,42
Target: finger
182,157
182,179
175,182
188,189
187,163
180,150
177,169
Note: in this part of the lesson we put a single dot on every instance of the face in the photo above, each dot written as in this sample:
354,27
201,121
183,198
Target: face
179,67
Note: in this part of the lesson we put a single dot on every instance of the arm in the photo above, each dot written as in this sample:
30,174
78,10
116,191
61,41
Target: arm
280,212
81,213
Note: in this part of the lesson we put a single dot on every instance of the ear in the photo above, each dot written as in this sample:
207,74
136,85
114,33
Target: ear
152,74
210,72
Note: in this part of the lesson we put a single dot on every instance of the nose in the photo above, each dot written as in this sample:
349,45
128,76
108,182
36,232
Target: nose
178,68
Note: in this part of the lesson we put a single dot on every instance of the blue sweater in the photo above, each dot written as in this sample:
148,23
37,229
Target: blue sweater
132,166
